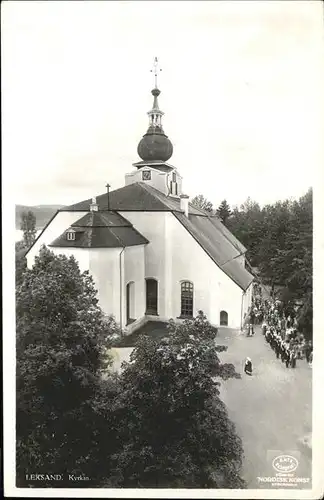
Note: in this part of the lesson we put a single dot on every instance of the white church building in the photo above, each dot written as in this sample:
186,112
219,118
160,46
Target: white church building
152,255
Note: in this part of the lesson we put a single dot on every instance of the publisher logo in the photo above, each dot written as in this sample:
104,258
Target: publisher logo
285,463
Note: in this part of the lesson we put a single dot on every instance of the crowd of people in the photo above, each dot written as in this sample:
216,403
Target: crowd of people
279,327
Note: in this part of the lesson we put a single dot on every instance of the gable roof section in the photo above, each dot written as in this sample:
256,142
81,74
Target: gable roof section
135,197
102,219
219,248
101,230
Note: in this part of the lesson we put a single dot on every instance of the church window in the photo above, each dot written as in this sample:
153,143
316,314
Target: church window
151,296
186,299
174,177
223,318
70,235
146,175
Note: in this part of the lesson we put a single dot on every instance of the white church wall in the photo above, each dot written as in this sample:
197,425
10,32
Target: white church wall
59,224
214,291
152,226
179,181
81,255
172,256
247,300
135,274
187,262
158,179
107,269
228,297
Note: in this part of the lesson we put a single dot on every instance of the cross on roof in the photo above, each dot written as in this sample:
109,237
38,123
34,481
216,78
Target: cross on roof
156,69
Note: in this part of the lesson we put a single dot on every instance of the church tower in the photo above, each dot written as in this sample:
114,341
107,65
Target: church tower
155,149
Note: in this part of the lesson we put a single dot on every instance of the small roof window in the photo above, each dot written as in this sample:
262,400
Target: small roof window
70,235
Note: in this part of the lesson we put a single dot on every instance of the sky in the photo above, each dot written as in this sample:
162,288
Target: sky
241,88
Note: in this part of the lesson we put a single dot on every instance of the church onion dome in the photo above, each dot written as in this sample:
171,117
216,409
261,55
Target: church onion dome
155,145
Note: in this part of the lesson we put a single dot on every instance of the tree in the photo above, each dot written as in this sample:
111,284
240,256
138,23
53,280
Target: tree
21,262
28,226
247,224
62,401
174,430
305,317
200,201
279,239
223,211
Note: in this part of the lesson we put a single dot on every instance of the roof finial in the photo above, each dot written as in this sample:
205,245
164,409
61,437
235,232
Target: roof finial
156,69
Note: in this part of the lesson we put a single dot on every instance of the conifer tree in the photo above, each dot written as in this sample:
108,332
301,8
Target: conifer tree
223,211
28,227
200,201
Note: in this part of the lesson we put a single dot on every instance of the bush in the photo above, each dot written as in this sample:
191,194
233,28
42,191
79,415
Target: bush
174,431
62,342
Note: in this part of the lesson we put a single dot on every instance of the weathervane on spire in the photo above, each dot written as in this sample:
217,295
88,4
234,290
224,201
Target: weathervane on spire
156,69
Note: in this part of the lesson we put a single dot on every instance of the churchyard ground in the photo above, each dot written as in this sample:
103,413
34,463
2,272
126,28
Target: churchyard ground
271,409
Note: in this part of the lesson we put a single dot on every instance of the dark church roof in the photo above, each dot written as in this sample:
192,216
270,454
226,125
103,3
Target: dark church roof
102,219
105,229
157,164
219,247
135,197
217,241
228,235
101,230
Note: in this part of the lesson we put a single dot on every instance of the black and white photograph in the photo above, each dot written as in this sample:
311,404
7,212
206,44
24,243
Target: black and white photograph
159,161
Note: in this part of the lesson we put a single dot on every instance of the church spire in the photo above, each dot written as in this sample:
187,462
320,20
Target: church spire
156,69
155,114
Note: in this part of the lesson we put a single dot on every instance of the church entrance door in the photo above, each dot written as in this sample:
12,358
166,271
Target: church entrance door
151,296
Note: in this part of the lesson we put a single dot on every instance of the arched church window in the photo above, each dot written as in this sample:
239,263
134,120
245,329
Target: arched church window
223,318
151,296
187,299
130,302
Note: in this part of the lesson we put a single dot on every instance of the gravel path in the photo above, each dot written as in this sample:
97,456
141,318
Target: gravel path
271,409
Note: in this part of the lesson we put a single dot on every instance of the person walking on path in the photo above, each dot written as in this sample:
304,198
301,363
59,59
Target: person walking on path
308,350
264,327
248,366
287,358
293,358
277,347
